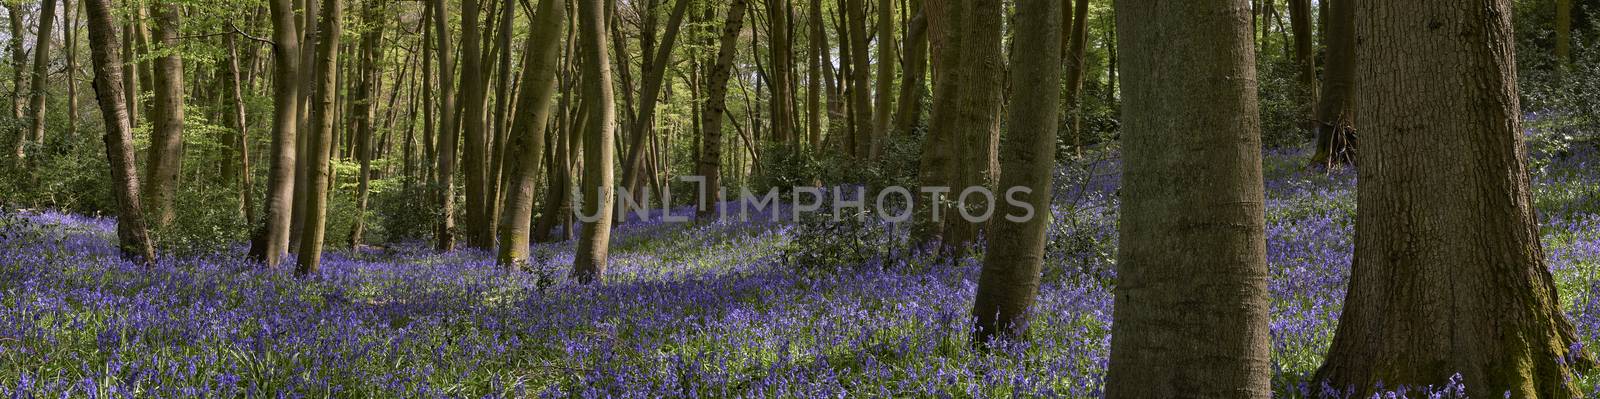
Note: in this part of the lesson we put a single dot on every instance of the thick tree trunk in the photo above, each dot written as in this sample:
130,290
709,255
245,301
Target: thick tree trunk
133,238
1191,297
271,239
589,264
322,109
444,237
1305,57
861,81
781,50
1448,275
525,149
710,163
967,94
914,74
1010,278
473,161
1335,124
165,160
41,71
309,10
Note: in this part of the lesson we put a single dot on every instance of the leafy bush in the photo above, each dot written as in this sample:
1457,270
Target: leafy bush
825,245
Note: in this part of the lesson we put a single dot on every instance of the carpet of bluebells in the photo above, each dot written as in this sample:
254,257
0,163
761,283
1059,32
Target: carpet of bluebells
713,310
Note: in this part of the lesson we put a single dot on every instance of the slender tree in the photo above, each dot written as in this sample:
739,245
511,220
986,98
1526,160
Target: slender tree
41,72
1448,274
1010,278
861,80
240,144
1335,118
165,159
526,147
321,140
133,238
654,68
444,236
716,105
882,108
1564,31
18,60
368,82
814,87
589,264
1191,297
914,73
271,239
473,158
1305,59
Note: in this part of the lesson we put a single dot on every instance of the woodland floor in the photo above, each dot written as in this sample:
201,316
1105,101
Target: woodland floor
702,311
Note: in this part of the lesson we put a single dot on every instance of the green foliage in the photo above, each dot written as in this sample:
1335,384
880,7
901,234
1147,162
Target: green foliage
824,245
207,222
1282,111
401,212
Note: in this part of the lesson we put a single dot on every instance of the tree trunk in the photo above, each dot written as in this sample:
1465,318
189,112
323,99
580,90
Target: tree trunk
526,146
814,87
1448,274
781,50
1305,57
41,72
473,160
309,10
445,236
1010,278
1335,124
70,35
241,126
912,82
322,108
589,264
1564,32
710,163
19,60
654,68
967,94
1075,69
882,109
368,82
165,160
271,239
861,81
133,238
1191,297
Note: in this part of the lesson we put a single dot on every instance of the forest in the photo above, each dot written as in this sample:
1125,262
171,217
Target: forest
800,198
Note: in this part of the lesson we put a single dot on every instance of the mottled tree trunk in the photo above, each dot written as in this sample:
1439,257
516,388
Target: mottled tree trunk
710,163
271,239
1191,296
589,263
525,149
958,151
1010,278
132,237
41,71
781,51
322,122
165,160
241,136
1448,274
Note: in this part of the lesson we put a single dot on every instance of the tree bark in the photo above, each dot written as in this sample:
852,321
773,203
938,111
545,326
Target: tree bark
1564,32
1010,278
480,230
1191,297
654,68
1448,274
133,239
1335,118
814,81
368,83
445,238
1305,57
165,159
914,75
18,61
710,163
1075,70
526,147
781,51
589,263
41,71
882,109
967,86
271,239
861,78
241,127
322,109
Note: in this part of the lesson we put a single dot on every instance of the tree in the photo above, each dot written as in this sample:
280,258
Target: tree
589,263
271,239
783,123
526,147
1190,312
915,70
1448,274
716,105
958,152
814,81
133,238
165,159
41,72
654,68
322,109
861,137
18,60
365,114
447,139
1334,120
1564,31
1305,59
1074,53
480,230
1010,278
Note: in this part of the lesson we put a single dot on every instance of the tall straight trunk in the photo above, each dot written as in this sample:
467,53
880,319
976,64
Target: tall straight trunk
473,158
915,72
589,264
823,58
861,80
654,68
1191,269
1564,31
428,121
525,149
559,169
957,151
1448,274
1335,118
70,35
19,60
241,127
445,238
501,112
1305,57
322,109
1111,61
369,82
814,72
271,239
41,71
1010,277
781,51
165,159
716,105
1075,70
133,239
882,115
309,10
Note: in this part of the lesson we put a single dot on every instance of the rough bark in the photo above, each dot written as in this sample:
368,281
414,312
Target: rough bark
1448,274
165,159
133,238
967,95
321,140
716,105
589,263
525,149
1305,57
444,237
1010,278
271,239
1191,296
1335,118
781,51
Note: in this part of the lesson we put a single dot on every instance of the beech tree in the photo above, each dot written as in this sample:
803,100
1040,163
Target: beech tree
41,75
526,147
133,239
589,264
710,162
271,239
165,159
1335,117
1191,295
321,140
1448,274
